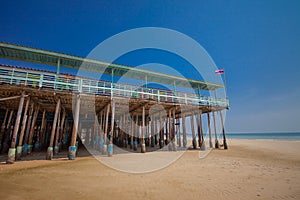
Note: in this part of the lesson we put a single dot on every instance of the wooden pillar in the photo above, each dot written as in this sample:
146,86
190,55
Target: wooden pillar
184,139
25,116
101,139
142,137
72,147
209,130
135,133
2,130
173,130
110,146
95,138
153,132
12,150
106,129
201,141
223,131
7,133
32,129
198,129
56,148
43,127
49,154
216,135
25,146
193,132
131,133
161,131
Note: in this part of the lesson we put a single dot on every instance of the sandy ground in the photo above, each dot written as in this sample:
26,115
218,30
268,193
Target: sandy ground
250,169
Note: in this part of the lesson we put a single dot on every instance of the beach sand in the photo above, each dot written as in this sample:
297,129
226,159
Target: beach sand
249,169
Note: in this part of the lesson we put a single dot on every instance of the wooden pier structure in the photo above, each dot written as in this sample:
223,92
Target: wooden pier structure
50,111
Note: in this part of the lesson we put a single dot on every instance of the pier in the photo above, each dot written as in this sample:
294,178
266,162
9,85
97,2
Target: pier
51,111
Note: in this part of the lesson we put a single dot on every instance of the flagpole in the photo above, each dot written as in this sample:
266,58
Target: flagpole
225,86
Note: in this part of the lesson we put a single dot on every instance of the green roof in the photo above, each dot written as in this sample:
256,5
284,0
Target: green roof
33,55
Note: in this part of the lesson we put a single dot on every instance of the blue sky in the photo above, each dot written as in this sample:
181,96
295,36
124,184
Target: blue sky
257,42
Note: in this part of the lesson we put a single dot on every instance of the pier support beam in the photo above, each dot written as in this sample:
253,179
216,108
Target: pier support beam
43,127
32,129
7,133
73,148
110,146
25,145
2,130
193,132
25,116
161,131
209,131
201,136
12,150
184,139
104,150
49,154
216,134
223,131
142,137
55,150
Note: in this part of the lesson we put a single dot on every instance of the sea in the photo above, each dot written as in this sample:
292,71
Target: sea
259,136
270,136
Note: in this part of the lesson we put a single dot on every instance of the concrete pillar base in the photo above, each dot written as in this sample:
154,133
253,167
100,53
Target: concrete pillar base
225,145
173,146
37,146
143,148
19,152
194,143
29,149
49,154
11,156
217,144
72,152
161,144
104,149
203,146
56,150
110,150
25,149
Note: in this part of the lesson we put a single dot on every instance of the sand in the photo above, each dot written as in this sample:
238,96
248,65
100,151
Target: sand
250,169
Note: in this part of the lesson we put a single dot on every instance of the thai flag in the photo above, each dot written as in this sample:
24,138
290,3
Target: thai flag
219,71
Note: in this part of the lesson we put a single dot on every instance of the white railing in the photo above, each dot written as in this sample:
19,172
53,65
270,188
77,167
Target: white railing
41,79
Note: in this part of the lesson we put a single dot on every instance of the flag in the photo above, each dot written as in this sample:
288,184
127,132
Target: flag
219,71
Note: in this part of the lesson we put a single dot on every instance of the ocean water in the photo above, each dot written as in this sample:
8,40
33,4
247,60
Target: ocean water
272,136
257,136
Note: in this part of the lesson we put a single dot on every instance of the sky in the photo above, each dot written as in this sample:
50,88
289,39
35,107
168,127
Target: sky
256,42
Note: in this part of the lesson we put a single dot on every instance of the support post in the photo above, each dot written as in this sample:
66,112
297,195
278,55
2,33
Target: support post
32,129
12,150
110,146
25,146
106,130
2,131
203,145
73,148
161,131
223,131
7,133
55,152
142,139
209,130
43,126
193,132
184,139
215,129
49,154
